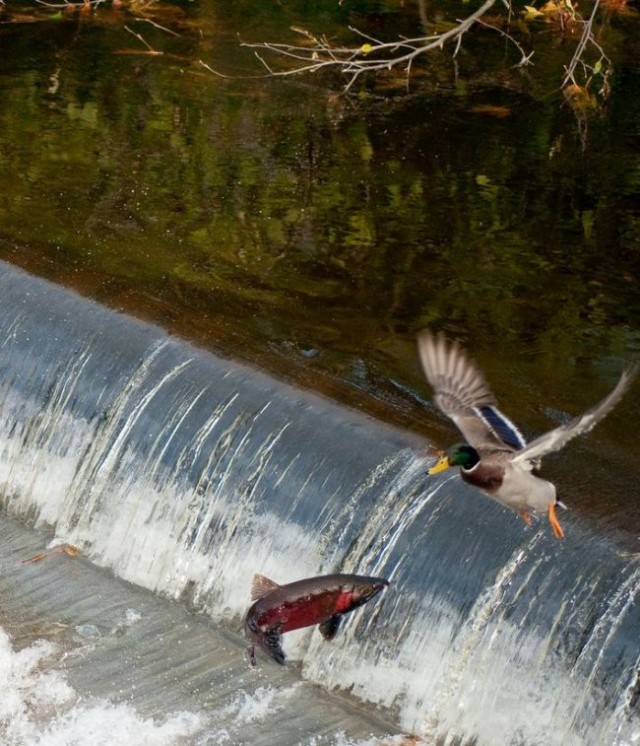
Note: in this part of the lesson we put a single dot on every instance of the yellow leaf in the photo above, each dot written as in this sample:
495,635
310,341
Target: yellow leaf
550,8
366,48
530,13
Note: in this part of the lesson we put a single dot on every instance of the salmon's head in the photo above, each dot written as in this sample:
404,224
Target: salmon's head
359,592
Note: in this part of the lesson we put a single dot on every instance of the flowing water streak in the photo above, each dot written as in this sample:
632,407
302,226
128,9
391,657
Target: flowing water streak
467,642
97,469
403,504
597,649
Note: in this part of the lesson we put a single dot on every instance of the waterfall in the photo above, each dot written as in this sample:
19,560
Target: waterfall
185,474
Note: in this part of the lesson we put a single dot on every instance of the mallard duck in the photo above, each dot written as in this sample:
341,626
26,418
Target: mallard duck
496,459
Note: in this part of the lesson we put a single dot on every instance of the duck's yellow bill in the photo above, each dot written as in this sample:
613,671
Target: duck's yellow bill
441,465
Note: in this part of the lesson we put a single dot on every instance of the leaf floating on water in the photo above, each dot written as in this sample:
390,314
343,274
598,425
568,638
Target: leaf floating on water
304,32
139,52
432,451
559,12
619,6
66,548
579,99
530,13
490,110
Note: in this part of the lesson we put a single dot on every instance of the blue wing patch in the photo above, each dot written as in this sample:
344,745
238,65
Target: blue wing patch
502,427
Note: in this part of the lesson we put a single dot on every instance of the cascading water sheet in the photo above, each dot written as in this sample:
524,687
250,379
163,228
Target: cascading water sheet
185,474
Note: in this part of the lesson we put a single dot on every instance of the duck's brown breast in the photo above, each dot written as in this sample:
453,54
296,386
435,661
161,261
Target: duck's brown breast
486,478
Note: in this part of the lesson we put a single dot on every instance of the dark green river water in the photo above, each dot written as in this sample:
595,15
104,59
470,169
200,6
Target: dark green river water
313,234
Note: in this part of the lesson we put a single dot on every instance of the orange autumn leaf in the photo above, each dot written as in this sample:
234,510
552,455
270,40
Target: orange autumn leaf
66,548
490,110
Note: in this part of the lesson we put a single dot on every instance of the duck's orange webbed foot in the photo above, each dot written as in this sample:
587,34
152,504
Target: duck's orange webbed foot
555,524
525,517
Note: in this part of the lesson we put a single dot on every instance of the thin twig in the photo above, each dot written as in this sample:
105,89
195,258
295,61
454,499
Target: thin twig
586,38
525,59
142,40
158,26
218,74
81,4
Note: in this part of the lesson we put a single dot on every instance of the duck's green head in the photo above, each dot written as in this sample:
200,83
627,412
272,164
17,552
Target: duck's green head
460,454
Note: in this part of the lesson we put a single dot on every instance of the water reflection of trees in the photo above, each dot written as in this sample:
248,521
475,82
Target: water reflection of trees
274,213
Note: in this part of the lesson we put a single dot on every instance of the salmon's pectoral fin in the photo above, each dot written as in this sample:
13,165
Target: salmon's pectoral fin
273,644
329,628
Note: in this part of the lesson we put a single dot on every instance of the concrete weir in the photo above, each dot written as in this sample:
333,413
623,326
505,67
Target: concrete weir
178,475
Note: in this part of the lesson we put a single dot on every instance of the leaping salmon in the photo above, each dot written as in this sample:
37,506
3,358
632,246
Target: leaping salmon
322,600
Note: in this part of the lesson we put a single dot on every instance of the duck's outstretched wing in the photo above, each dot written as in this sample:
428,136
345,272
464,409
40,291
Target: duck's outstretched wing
461,392
556,439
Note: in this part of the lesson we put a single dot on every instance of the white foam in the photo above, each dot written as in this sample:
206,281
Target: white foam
248,708
38,707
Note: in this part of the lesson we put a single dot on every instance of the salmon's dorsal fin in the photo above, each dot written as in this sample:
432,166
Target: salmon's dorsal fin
261,586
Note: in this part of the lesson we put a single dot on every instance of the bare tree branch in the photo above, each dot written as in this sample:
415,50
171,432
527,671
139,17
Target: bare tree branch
587,38
374,55
354,61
